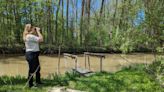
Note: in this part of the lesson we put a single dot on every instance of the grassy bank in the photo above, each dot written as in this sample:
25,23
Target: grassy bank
135,78
122,81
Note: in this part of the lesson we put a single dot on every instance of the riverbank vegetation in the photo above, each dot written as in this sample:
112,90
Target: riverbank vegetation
140,77
84,25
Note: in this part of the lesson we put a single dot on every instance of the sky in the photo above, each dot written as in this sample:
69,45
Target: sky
140,17
96,4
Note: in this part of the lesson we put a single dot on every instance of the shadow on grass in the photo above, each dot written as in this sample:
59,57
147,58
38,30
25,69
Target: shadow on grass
54,80
17,84
6,80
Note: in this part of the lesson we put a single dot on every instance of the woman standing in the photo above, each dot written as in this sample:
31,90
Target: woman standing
32,37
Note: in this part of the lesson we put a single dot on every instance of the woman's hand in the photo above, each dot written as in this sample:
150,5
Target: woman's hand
37,29
39,34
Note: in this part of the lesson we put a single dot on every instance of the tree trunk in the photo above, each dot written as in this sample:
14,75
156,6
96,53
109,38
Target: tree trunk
88,22
67,15
114,15
56,22
101,10
17,22
50,40
63,29
122,16
81,22
88,11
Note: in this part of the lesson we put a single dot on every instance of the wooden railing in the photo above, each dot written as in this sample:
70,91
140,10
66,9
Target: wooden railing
88,54
74,57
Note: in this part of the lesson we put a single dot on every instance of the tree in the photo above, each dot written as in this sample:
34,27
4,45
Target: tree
56,22
67,16
50,39
81,22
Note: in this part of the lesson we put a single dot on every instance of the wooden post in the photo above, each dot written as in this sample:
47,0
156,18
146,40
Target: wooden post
100,64
65,62
76,63
89,63
85,61
3,52
59,60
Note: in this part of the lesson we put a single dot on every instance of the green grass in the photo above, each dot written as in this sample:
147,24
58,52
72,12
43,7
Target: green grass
16,84
135,78
123,81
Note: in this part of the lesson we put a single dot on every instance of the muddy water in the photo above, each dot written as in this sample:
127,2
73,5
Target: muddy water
17,65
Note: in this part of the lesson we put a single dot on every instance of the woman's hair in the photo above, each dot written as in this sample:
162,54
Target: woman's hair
27,29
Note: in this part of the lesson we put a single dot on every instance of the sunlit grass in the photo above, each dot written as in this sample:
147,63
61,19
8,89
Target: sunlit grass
125,80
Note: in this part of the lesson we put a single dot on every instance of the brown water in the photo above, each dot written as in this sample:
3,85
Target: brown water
17,65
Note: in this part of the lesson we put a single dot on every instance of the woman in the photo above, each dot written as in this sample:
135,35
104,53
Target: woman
32,38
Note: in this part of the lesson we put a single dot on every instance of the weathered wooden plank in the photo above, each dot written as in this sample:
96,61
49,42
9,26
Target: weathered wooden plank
83,72
70,55
94,54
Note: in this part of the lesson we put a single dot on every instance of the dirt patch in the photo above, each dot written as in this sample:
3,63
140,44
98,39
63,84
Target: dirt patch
63,89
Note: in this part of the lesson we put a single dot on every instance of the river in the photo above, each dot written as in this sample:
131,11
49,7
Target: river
13,65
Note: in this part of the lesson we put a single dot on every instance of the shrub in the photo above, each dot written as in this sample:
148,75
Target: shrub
156,70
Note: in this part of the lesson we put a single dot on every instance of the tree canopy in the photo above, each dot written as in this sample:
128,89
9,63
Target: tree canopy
119,25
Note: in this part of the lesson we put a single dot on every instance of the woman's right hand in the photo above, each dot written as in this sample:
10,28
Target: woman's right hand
39,34
37,29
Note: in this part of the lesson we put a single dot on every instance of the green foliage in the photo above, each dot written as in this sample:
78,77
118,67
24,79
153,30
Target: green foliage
156,69
118,19
160,49
130,40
